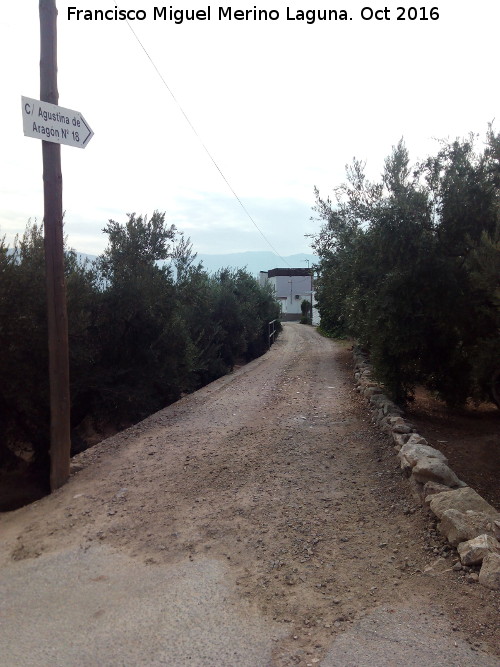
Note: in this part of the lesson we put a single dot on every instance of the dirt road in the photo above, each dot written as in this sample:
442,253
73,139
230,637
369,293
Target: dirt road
261,521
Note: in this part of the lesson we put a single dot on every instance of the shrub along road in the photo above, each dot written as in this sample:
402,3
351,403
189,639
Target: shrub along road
259,521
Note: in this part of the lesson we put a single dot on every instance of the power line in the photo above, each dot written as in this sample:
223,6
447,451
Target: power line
204,146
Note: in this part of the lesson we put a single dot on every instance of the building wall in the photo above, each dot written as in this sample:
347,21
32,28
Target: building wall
290,291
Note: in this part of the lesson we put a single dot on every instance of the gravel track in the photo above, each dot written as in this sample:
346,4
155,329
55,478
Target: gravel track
259,521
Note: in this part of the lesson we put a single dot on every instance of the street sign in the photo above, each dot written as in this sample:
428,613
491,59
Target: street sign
50,122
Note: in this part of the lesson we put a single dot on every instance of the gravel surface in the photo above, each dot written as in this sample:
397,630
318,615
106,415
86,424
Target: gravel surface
262,520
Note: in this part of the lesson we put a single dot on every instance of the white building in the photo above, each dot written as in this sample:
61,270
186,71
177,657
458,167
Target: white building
291,287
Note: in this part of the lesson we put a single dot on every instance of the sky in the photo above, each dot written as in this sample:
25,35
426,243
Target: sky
280,105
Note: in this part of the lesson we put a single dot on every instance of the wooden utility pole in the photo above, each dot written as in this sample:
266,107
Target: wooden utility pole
60,442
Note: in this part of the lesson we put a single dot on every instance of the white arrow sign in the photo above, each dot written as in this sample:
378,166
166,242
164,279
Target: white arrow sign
50,122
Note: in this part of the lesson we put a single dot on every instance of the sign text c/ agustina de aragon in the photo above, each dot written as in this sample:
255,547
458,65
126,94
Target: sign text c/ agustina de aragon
49,122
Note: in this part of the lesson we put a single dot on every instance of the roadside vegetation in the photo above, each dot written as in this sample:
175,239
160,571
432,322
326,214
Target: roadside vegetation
146,324
410,267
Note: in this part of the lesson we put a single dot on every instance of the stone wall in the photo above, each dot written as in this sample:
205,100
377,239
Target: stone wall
466,520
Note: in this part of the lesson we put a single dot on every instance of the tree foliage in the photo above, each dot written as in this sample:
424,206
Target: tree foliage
410,267
146,324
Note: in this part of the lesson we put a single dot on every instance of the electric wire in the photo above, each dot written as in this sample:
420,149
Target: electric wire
204,146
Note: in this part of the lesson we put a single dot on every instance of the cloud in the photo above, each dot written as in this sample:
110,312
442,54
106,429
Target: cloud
218,223
282,107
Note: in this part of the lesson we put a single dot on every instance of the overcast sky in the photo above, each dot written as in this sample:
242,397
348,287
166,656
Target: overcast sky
281,105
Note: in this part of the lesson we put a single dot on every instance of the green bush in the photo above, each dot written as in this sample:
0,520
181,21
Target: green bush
410,267
146,324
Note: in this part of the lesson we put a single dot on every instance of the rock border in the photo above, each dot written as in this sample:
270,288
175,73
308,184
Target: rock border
466,520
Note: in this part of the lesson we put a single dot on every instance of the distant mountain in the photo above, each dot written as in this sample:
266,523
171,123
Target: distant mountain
252,261
255,261
83,257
